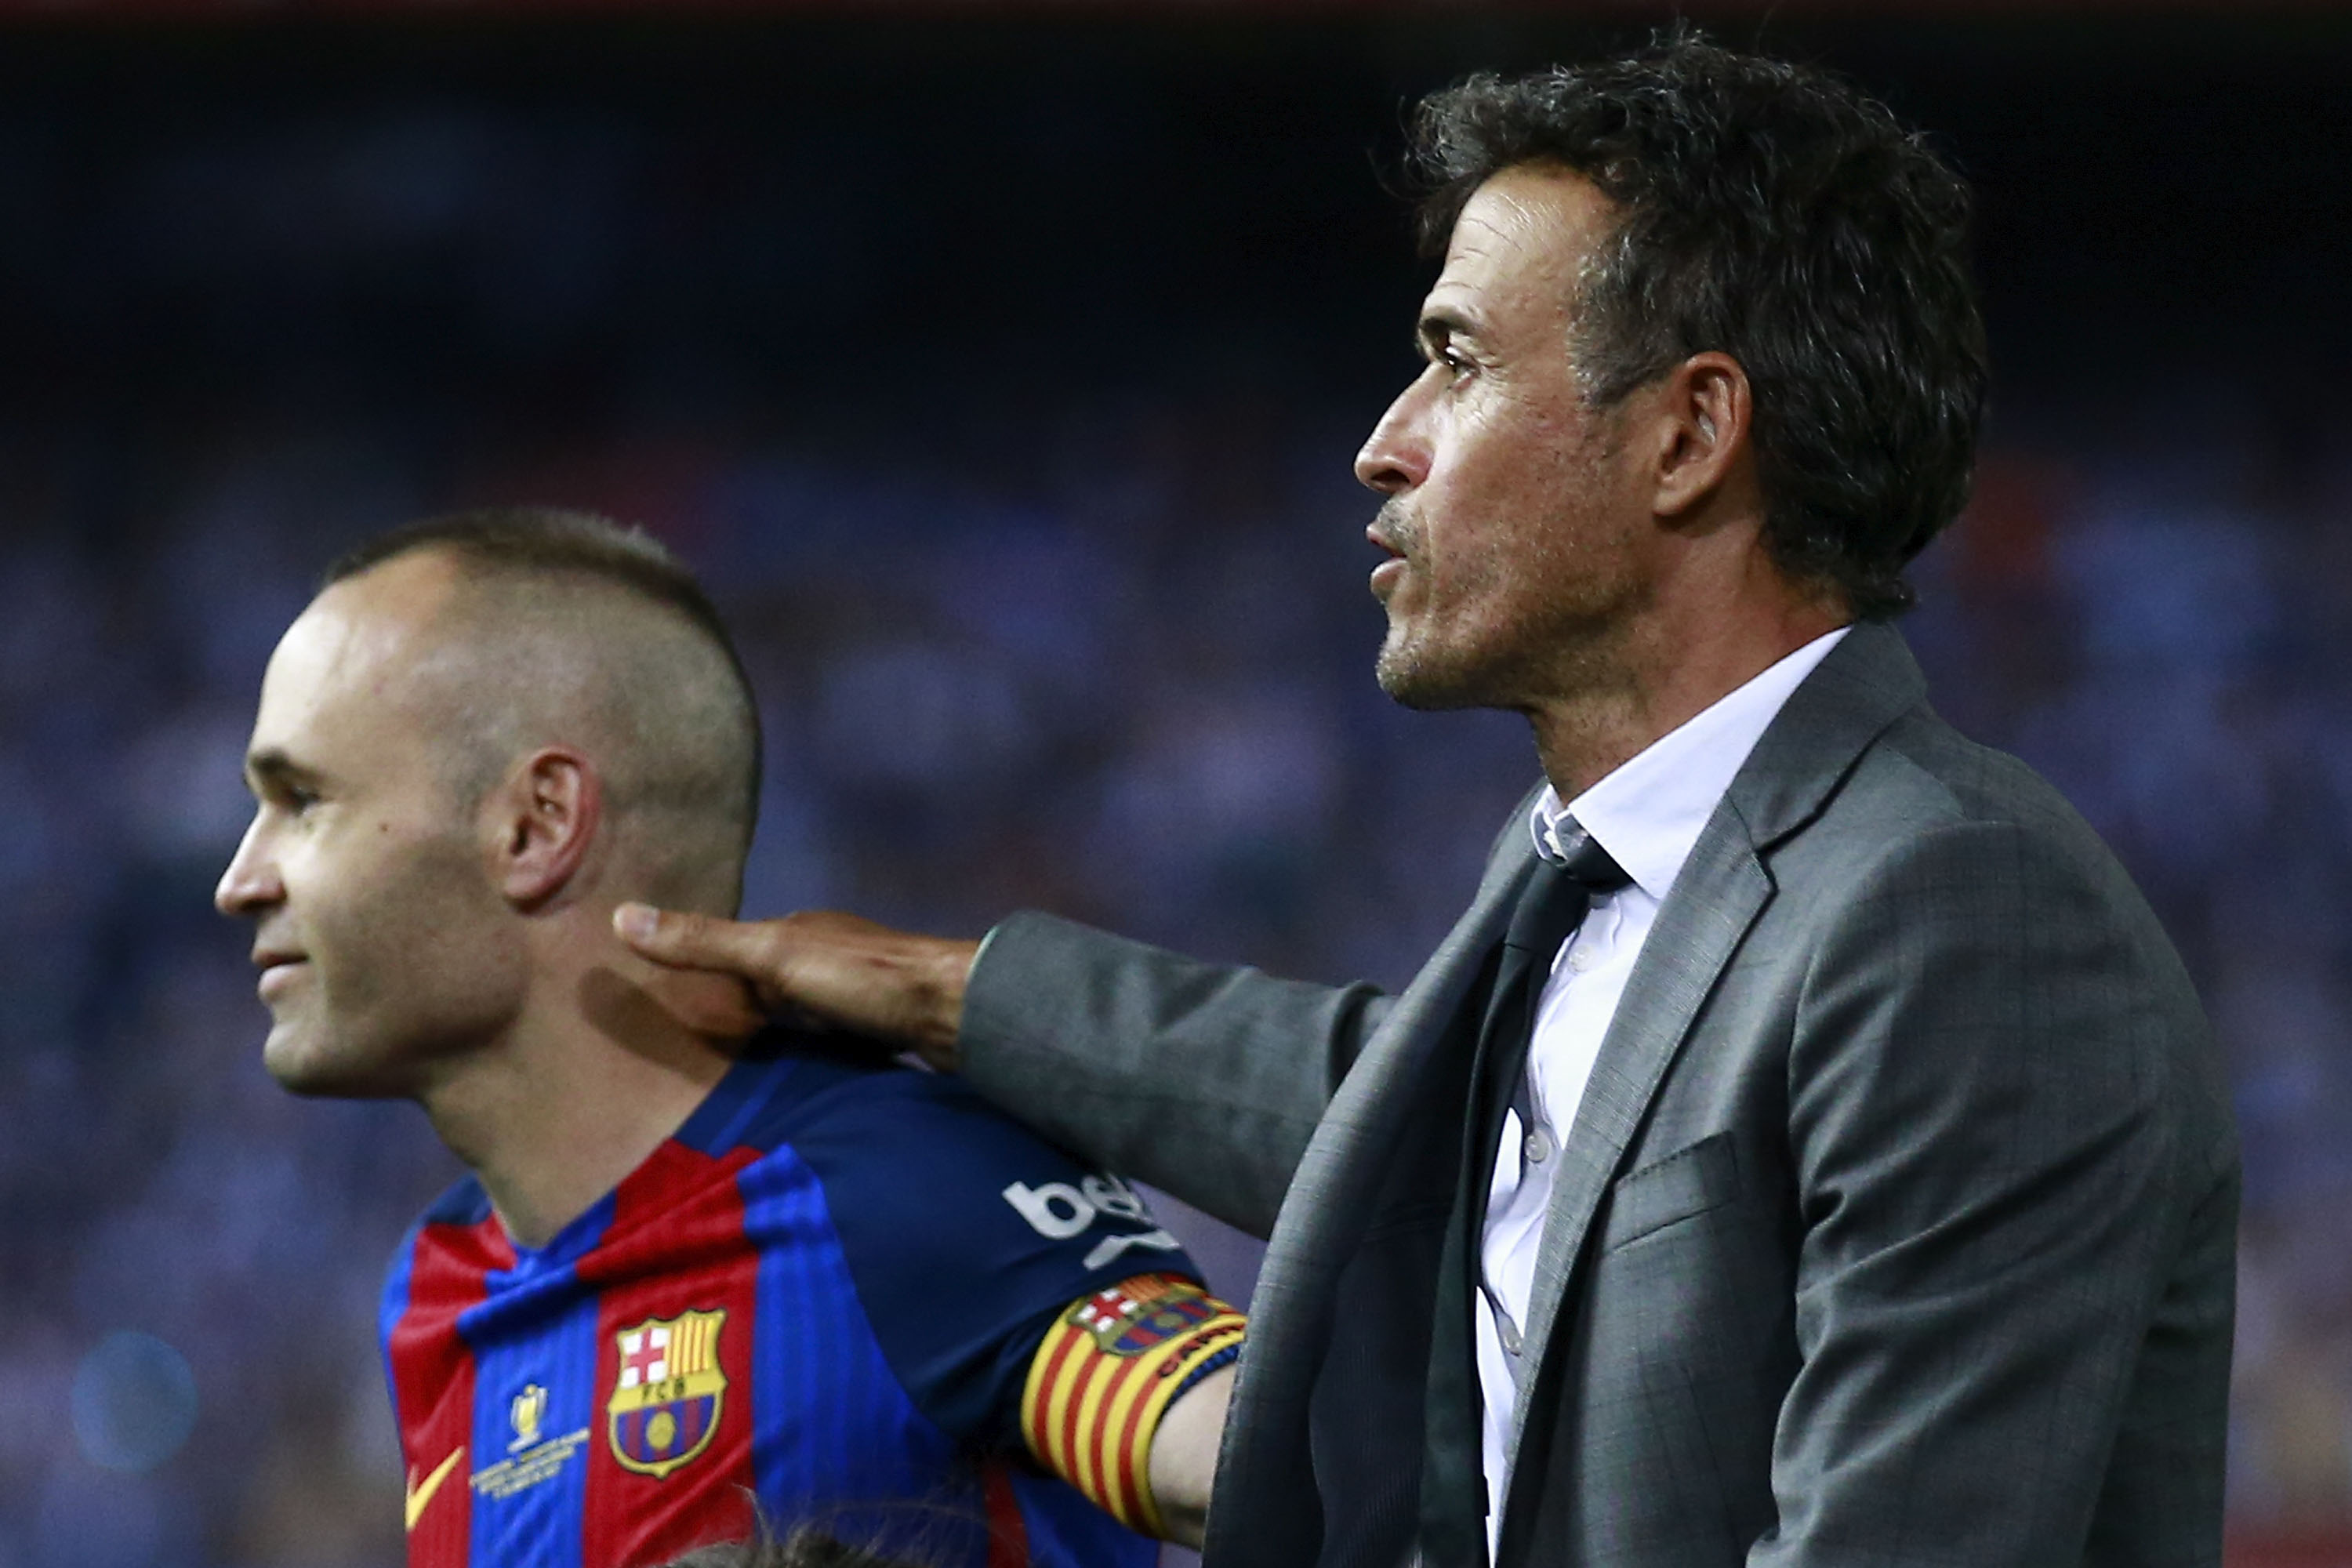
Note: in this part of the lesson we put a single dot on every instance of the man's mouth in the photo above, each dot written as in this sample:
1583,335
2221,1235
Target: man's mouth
276,969
1384,576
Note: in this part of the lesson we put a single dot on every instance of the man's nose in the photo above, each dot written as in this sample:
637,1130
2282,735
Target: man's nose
250,883
1394,458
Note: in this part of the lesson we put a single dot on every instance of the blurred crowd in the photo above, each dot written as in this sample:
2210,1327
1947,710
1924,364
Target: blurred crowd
1119,668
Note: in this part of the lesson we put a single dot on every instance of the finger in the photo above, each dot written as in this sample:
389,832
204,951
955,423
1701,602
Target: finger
684,941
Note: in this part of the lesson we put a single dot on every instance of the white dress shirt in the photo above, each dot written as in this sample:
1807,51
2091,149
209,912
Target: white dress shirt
1647,815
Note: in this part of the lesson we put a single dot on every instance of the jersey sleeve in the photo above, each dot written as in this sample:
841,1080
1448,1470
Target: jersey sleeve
968,1238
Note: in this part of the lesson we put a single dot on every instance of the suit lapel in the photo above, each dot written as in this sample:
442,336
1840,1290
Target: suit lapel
1323,1217
1716,898
1860,687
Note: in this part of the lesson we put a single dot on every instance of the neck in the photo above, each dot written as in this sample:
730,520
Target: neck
589,1080
1669,667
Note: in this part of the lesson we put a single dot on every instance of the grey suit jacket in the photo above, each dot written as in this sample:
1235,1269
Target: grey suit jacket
1896,1225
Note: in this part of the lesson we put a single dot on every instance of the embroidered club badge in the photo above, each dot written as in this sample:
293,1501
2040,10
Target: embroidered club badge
666,1402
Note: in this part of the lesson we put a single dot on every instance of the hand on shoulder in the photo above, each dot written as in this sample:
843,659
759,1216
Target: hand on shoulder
821,968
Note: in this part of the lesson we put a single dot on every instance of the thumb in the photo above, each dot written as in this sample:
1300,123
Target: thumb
686,940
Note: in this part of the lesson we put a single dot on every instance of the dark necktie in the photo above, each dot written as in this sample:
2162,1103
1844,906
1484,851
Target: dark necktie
1453,1500
1554,905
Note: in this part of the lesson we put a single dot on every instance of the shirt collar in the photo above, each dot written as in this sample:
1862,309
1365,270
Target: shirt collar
1648,813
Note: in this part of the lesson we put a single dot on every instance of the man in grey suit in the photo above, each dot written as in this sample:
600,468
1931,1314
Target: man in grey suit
1806,1149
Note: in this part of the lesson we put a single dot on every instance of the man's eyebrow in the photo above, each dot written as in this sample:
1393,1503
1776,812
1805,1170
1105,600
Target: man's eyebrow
272,766
1439,327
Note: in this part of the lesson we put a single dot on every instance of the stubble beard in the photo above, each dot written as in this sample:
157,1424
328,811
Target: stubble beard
1411,680
1408,671
1429,679
1573,647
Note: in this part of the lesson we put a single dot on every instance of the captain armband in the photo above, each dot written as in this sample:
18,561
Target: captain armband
1105,1375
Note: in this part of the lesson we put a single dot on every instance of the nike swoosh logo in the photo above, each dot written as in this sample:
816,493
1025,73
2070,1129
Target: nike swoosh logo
422,1493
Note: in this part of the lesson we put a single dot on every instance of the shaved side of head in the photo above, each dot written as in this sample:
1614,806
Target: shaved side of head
565,628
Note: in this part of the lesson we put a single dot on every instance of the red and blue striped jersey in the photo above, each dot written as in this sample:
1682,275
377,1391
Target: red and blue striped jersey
823,1291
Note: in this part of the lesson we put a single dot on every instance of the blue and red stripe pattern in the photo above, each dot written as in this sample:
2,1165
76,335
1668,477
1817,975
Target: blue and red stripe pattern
824,1291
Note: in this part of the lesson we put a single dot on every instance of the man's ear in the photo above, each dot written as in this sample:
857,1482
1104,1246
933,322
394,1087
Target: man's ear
544,820
1703,431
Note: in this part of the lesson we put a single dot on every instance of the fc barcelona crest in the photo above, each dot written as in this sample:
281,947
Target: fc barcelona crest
666,1403
1132,1317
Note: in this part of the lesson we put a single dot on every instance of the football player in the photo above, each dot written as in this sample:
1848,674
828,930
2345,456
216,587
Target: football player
682,1276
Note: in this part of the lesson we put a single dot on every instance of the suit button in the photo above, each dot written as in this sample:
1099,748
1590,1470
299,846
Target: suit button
1538,1147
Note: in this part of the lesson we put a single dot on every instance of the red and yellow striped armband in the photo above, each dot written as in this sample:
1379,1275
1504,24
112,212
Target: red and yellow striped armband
1107,1371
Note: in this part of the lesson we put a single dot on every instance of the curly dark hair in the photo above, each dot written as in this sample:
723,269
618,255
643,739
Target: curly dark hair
1773,212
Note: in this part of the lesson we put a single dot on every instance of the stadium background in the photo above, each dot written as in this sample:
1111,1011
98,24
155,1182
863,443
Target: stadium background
1001,374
